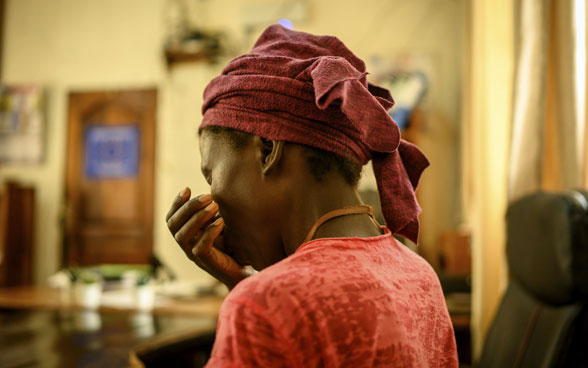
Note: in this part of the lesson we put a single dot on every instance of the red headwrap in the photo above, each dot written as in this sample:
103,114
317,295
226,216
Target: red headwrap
312,90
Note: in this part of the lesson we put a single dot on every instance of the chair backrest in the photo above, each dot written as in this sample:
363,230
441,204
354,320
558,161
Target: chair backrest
542,320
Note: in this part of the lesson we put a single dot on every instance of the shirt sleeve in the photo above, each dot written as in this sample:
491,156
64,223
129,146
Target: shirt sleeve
245,337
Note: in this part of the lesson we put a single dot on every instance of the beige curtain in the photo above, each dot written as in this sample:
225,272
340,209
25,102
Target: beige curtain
585,181
486,141
523,126
549,122
525,170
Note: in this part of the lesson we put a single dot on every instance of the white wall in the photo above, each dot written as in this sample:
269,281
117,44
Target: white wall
70,45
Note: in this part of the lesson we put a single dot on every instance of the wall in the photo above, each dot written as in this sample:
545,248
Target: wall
70,45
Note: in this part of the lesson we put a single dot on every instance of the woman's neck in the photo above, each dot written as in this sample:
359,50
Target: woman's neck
309,202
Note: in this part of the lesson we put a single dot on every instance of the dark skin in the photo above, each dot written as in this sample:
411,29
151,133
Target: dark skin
268,201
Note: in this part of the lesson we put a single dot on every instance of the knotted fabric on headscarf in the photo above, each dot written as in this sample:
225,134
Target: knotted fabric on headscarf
312,90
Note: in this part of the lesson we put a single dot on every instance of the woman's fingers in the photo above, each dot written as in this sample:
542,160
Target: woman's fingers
219,243
208,256
195,223
185,212
203,247
180,199
195,228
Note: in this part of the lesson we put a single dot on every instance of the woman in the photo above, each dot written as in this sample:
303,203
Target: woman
285,132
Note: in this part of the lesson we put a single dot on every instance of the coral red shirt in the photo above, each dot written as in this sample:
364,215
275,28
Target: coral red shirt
338,302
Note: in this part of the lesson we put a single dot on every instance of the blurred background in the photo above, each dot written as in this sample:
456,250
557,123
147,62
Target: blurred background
100,101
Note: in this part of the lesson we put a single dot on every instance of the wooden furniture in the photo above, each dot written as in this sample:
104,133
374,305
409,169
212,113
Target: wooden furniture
456,258
42,327
75,338
17,218
459,307
38,297
185,349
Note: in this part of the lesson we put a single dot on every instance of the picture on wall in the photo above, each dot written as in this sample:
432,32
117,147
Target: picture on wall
21,124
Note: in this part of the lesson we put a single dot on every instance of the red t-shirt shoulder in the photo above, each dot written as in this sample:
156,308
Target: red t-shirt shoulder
338,302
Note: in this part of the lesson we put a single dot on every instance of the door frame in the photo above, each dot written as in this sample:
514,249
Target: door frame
79,101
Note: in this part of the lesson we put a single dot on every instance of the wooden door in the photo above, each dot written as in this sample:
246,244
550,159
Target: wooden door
109,177
17,220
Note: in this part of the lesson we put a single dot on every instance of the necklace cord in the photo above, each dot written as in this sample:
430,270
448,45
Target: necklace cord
351,210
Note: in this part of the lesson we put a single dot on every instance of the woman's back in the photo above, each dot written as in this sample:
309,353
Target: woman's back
339,302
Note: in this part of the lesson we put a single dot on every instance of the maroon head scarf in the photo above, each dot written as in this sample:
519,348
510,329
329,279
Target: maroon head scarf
312,90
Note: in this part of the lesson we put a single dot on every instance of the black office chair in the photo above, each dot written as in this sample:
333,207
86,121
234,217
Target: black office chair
542,320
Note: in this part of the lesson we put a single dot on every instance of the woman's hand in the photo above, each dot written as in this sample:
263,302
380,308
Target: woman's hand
189,221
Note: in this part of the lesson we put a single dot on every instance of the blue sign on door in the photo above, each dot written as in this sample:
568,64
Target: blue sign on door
111,151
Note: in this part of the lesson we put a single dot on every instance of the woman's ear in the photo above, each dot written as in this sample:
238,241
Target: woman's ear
270,153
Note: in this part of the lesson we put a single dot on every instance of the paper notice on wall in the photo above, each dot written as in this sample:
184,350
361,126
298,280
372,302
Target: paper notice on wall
111,151
21,124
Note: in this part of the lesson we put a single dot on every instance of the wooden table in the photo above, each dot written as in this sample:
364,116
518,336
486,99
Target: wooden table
50,298
42,327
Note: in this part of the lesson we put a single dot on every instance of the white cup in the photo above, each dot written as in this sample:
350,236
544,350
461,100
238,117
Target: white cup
144,297
88,295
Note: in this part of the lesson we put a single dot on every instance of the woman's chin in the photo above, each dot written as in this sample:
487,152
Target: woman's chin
241,262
